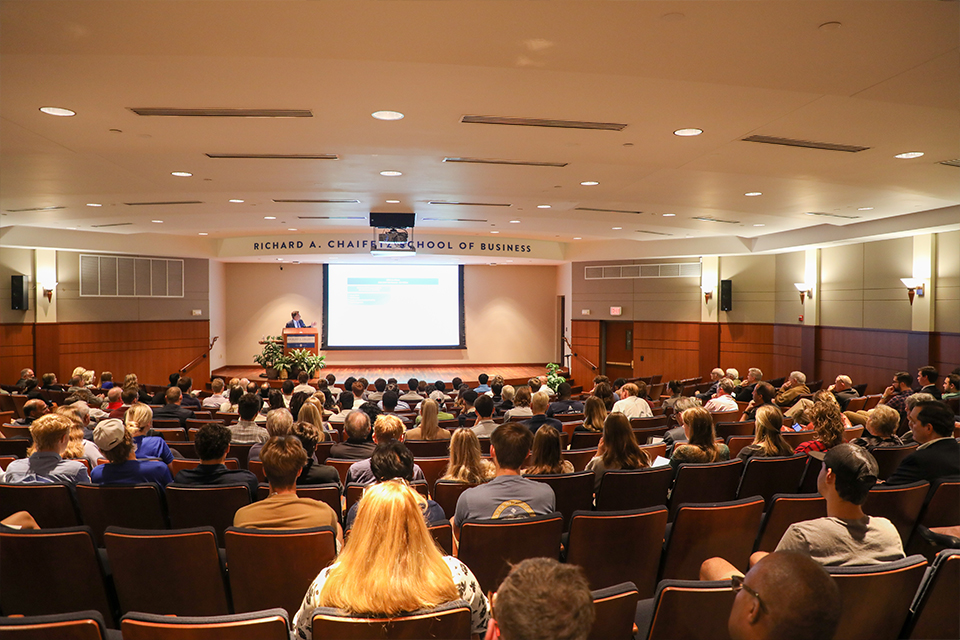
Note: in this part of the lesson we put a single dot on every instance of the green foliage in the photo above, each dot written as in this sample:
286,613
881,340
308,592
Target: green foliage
553,376
271,354
306,361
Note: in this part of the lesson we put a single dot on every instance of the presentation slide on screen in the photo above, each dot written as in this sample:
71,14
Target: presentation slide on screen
370,306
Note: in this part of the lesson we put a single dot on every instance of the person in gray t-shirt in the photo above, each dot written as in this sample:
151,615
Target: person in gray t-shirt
508,495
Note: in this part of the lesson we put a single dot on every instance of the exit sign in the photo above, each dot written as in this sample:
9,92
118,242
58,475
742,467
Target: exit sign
616,311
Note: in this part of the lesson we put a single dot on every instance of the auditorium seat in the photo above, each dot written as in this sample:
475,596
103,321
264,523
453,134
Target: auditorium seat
256,468
941,510
15,431
171,434
769,476
618,546
137,506
328,493
722,417
900,504
933,614
4,463
428,448
341,465
574,491
643,435
268,624
205,506
795,438
737,443
579,457
449,620
624,489
447,492
614,609
852,433
856,404
649,423
785,509
432,469
179,464
80,625
726,429
14,447
688,609
808,483
166,423
491,547
710,482
654,450
51,505
585,440
889,458
443,535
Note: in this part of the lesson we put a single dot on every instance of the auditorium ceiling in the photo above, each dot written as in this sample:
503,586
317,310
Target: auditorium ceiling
540,120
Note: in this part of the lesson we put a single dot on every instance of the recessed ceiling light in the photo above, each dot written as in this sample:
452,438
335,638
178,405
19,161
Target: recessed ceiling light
864,208
494,232
577,238
391,173
157,221
94,204
387,115
291,229
752,194
589,183
617,228
58,111
181,174
509,260
279,259
687,132
908,155
669,215
393,202
269,217
202,233
514,222
543,206
236,201
758,225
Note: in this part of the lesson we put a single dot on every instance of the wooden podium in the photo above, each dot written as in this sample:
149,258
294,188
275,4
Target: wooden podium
301,339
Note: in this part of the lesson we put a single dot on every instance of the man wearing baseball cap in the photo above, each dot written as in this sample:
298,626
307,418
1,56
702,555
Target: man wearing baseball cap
846,536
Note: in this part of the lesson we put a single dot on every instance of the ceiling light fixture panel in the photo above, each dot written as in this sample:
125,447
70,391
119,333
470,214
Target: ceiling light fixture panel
543,122
514,163
222,113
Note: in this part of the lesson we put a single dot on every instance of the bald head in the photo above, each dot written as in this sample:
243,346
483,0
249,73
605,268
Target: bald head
35,408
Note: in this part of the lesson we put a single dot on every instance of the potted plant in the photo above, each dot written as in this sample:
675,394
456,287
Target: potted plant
285,366
269,357
304,360
554,378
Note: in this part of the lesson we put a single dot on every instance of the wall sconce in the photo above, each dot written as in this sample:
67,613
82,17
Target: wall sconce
914,286
707,293
48,289
804,289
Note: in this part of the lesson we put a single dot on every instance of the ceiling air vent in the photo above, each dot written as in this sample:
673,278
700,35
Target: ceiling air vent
472,204
223,113
709,219
515,163
807,144
631,271
830,215
606,210
112,224
952,163
34,209
153,204
327,201
656,233
272,156
543,122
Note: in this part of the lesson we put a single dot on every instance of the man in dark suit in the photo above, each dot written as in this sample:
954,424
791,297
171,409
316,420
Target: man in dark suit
296,322
172,408
744,392
927,377
938,455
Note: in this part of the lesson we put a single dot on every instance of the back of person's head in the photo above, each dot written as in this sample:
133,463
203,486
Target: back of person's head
700,422
113,395
139,416
309,435
496,388
469,397
48,378
884,420
440,386
346,400
185,383
484,406
465,456
765,392
675,387
522,398
174,379
331,379
412,384
542,599
732,373
248,406
236,393
129,395
508,393
799,377
48,430
938,415
539,402
767,434
390,400
283,457
800,601
310,412
511,441
594,413
371,409
727,385
217,385
29,384
348,383
755,373
212,441
564,390
388,427
391,459
173,395
275,399
279,422
483,378
605,392
380,384
114,440
545,456
303,377
902,377
34,408
456,383
287,386
357,425
855,469
621,450
827,422
358,388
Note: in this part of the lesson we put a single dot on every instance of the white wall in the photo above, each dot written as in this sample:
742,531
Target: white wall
218,313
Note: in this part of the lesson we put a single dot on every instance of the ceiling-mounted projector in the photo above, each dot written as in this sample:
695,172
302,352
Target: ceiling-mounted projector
392,234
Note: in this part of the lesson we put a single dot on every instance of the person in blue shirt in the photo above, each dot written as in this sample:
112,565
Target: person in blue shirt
139,418
116,443
484,387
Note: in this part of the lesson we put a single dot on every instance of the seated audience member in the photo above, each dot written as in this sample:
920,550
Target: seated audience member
881,428
631,404
542,599
213,446
496,390
313,472
763,393
564,404
484,425
311,413
79,447
605,392
597,381
546,458
466,462
438,395
723,400
744,392
927,379
467,398
768,441
827,421
172,409
386,428
391,565
846,536
78,391
675,388
951,386
843,391
139,419
618,449
25,374
800,601
483,387
594,415
677,435
715,377
48,382
538,405
896,394
507,495
32,409
45,464
390,402
232,405
279,423
303,384
701,445
246,430
938,456
358,445
411,395
283,460
733,375
543,386
429,428
217,398
344,407
521,405
286,390
33,392
115,442
114,399
160,396
129,396
274,401
393,461
187,398
794,387
507,395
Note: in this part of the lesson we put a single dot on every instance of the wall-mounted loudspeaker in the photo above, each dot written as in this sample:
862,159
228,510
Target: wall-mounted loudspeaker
19,300
726,295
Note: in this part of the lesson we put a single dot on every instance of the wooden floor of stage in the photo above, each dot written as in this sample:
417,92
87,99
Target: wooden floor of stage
512,373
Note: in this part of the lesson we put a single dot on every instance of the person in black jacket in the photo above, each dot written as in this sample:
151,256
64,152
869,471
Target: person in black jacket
313,472
213,447
938,455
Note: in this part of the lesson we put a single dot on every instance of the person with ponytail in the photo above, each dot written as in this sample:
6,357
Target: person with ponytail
139,420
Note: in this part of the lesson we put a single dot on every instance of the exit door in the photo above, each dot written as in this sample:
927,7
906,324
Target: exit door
618,352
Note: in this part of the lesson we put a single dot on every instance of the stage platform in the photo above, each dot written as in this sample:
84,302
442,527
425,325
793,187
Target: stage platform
513,373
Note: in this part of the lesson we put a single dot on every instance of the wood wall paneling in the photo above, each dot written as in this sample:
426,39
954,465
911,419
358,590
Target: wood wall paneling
866,355
945,352
16,351
709,335
671,349
787,349
585,338
747,345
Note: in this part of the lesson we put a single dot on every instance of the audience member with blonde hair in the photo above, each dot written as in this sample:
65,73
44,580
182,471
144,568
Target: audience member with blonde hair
594,415
466,462
313,471
539,404
115,440
391,565
386,428
767,442
130,382
139,418
827,421
545,456
79,447
881,428
45,464
309,412
507,395
429,428
618,449
701,445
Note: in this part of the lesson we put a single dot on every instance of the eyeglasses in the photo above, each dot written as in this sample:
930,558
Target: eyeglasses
737,583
